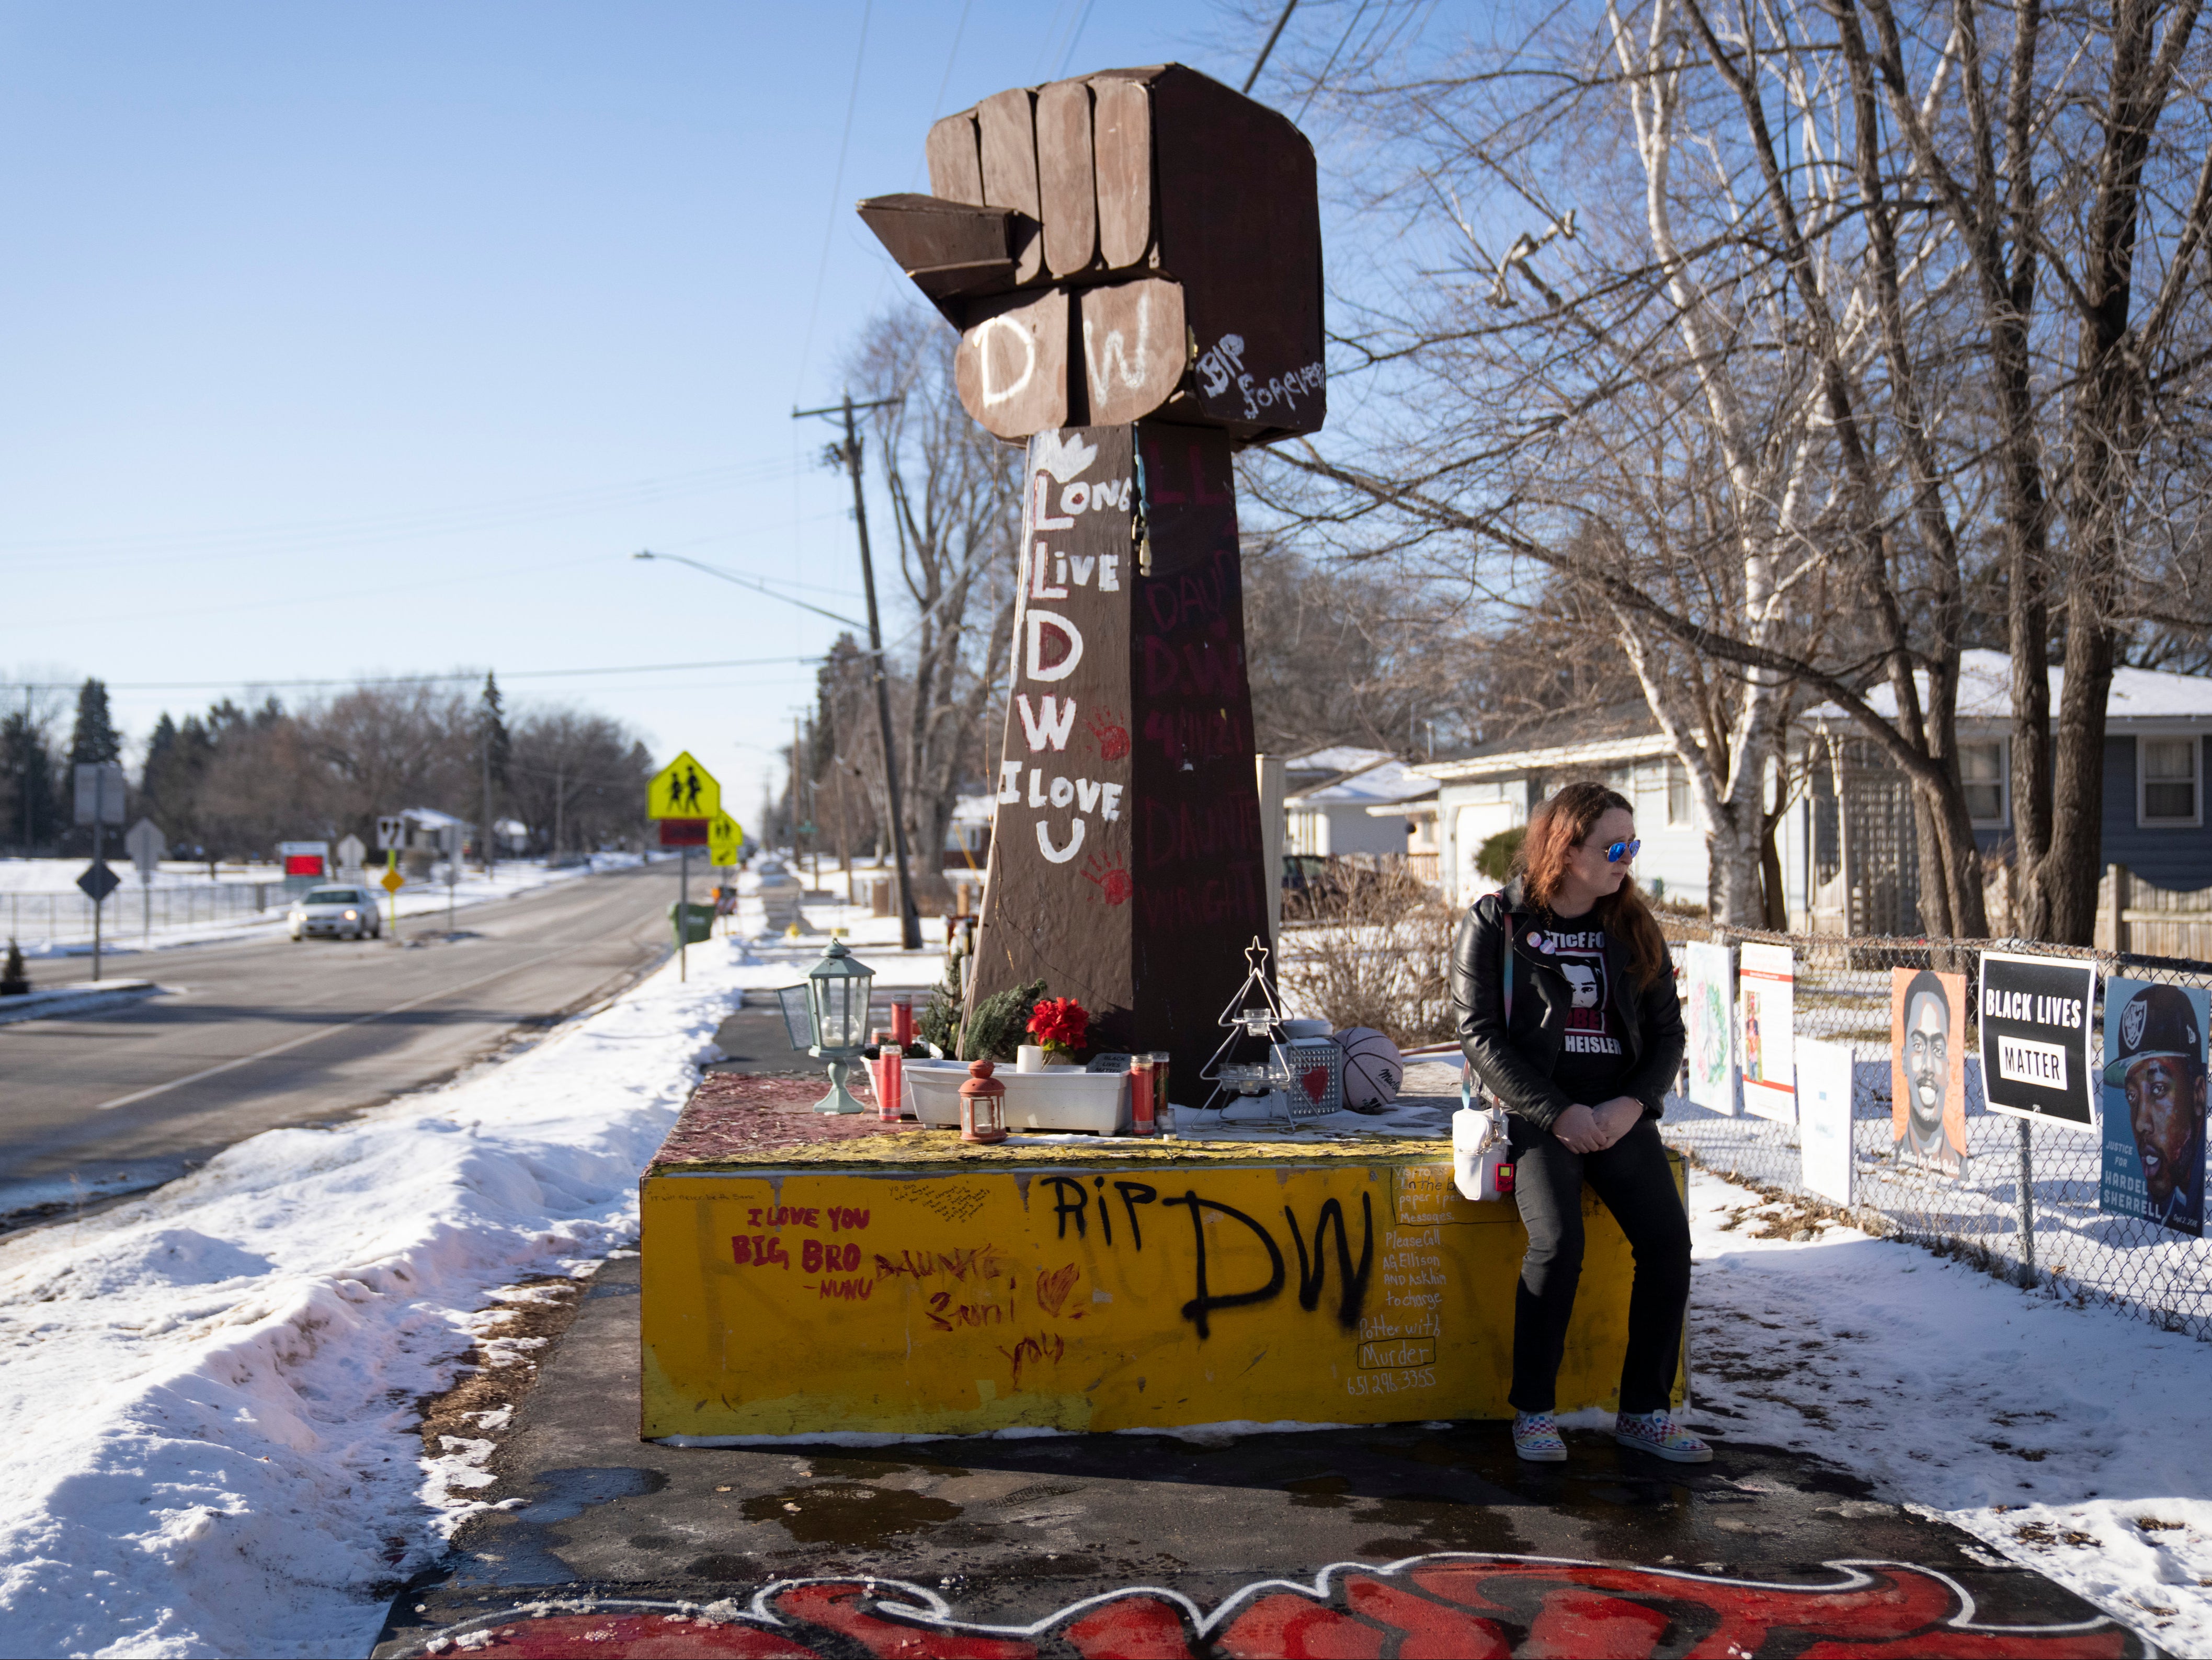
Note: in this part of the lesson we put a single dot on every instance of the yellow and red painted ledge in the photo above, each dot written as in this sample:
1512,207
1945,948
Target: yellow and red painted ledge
805,1274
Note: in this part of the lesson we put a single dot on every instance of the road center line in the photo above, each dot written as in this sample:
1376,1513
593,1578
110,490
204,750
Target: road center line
320,1032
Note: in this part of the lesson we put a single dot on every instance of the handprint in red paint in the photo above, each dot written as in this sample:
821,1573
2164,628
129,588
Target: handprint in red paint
1110,876
1112,738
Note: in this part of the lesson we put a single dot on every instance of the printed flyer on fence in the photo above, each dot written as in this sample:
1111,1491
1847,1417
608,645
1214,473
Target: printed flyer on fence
2035,1037
1709,972
1765,998
1928,1068
2154,1081
1824,1117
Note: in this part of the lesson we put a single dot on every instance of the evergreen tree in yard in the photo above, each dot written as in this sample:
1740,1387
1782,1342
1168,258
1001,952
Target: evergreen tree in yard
493,731
28,771
94,737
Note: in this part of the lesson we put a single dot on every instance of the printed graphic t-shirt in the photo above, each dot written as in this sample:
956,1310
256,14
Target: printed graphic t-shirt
1593,1057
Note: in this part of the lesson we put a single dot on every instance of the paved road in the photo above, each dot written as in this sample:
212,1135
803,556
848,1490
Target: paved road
258,1035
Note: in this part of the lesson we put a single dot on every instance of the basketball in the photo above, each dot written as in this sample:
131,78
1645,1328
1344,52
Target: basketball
1372,1067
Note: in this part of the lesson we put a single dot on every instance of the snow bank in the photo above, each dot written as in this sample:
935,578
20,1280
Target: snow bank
2074,1440
209,1394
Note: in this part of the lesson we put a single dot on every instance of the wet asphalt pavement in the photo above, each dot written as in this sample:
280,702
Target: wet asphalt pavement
1410,1539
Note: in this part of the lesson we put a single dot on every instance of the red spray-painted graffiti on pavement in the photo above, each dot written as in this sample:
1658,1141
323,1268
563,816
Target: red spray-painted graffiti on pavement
1440,1605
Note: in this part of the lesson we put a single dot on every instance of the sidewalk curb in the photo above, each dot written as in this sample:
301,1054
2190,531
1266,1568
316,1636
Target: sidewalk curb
73,1000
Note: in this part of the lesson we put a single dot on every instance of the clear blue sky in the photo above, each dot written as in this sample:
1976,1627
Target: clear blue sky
374,339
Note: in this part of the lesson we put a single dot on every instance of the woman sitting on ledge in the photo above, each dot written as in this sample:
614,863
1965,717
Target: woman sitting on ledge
1581,1059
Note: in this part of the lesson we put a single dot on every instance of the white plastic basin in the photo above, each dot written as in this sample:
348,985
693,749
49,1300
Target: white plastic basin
1059,1099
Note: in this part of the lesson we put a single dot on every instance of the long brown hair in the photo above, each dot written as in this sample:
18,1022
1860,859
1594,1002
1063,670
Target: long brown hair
1558,826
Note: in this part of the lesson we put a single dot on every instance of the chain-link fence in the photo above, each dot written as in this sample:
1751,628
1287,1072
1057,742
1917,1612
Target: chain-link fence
132,910
2026,1206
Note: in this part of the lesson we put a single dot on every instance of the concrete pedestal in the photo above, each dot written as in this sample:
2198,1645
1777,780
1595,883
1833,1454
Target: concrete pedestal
904,1283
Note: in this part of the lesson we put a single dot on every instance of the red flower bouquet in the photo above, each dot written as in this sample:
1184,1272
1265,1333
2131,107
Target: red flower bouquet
1059,1024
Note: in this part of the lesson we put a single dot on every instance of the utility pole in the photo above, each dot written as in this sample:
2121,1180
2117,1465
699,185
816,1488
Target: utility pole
849,453
487,795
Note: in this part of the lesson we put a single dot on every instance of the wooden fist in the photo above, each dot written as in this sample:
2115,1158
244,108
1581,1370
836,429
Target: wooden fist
1138,244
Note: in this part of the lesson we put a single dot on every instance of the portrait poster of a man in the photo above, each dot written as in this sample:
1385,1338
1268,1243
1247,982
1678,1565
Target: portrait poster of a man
1928,1068
2154,1117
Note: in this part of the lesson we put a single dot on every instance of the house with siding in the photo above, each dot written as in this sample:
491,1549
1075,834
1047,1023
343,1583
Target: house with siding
1848,856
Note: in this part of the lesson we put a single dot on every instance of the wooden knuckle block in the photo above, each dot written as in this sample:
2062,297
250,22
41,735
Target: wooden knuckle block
1066,193
1007,122
1011,366
1135,348
956,161
1121,145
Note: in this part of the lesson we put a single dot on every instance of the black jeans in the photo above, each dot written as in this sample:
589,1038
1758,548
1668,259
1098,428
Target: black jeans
1636,1183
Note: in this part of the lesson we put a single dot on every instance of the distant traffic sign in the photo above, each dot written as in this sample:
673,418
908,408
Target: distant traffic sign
144,844
98,880
390,832
99,792
682,789
393,882
684,832
725,838
350,853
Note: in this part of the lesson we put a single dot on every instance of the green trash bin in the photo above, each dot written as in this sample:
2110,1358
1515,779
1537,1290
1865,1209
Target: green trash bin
694,922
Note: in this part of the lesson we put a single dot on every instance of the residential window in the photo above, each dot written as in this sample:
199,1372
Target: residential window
2169,781
1982,773
1678,793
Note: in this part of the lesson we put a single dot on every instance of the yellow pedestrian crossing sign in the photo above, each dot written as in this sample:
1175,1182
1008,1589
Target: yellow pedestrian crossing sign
725,836
682,789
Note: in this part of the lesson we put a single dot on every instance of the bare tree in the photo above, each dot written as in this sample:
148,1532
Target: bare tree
956,513
1767,357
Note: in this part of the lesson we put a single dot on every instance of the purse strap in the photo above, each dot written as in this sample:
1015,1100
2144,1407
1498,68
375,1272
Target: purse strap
1506,983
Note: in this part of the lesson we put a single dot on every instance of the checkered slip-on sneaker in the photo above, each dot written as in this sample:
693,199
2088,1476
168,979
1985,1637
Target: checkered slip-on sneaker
1536,1439
1658,1434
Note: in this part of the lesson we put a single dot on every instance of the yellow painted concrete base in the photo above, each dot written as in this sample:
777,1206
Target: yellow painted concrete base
1099,1295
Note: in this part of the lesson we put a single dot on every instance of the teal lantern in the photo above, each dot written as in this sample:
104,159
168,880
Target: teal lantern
827,1017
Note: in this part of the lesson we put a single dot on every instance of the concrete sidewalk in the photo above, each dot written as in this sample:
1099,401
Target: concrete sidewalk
1426,1539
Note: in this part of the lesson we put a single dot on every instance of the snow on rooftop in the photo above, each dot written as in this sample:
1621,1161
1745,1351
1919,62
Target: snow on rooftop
1985,692
1382,785
1337,758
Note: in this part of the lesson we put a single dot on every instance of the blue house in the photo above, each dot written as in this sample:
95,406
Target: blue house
1850,857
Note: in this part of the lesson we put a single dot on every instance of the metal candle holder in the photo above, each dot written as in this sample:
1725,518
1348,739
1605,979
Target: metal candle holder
827,1017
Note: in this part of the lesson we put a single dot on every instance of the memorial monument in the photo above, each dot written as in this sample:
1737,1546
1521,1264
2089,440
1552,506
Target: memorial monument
1132,259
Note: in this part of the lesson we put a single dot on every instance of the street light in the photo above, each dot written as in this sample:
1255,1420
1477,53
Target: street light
827,1017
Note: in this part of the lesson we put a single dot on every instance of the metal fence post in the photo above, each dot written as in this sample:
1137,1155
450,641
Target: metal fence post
2027,1274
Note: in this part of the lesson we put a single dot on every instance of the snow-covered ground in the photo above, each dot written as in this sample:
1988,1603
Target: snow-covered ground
2073,1439
65,931
207,1393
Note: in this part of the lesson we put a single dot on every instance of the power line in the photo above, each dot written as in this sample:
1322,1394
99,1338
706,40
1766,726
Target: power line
251,685
836,192
1273,35
312,533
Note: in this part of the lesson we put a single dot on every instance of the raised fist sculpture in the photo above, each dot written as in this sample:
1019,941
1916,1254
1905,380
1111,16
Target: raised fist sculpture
1135,244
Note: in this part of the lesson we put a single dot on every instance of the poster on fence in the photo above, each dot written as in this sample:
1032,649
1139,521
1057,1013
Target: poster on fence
1824,1117
1710,971
2154,1083
2035,1037
1765,987
1928,1068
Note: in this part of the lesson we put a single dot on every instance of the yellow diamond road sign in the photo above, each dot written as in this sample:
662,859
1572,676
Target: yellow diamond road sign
392,880
682,789
725,836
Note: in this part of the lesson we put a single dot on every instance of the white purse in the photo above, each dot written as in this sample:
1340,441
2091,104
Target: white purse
1482,1154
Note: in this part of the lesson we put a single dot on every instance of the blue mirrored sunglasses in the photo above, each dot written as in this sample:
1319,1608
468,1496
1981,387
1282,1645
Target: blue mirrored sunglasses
1622,850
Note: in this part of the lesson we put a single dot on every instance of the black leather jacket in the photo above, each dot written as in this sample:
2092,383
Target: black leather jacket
1516,1062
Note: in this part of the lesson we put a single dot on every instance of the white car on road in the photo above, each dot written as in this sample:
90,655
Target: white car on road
342,913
